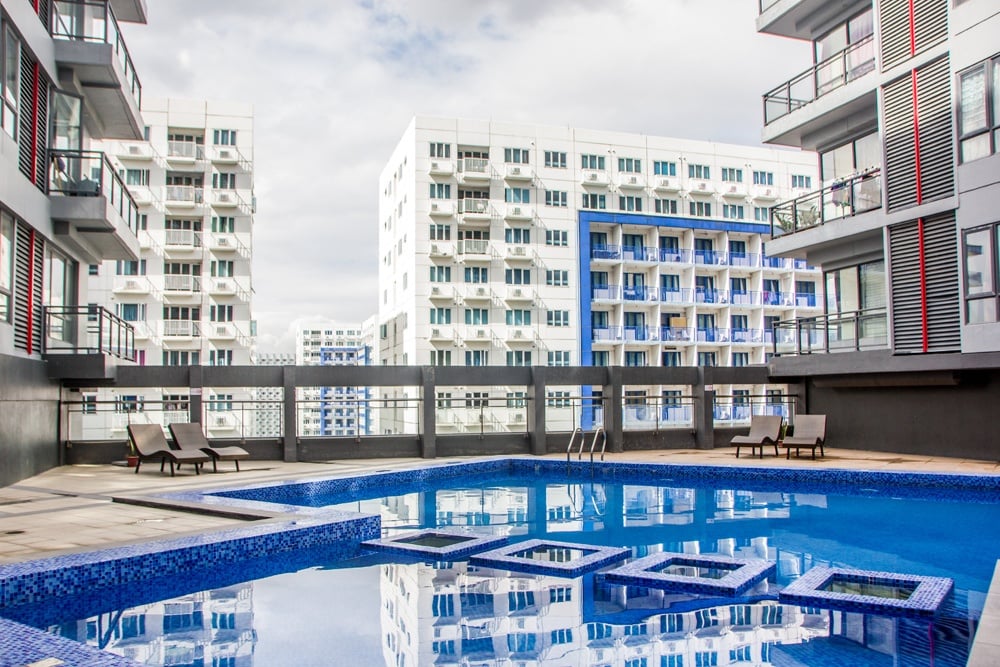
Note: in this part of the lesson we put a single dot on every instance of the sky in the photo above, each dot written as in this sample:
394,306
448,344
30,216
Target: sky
334,83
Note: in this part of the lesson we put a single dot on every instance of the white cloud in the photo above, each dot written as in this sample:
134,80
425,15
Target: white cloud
334,85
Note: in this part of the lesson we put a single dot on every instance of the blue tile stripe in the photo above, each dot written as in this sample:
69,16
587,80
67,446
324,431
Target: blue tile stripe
505,558
744,573
22,645
923,602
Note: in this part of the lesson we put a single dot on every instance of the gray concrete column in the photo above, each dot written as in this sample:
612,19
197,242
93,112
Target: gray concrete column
196,389
536,410
613,407
704,422
427,419
290,435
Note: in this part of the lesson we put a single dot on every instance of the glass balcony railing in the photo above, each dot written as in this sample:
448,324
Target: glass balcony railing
90,174
606,252
835,72
94,21
851,196
846,332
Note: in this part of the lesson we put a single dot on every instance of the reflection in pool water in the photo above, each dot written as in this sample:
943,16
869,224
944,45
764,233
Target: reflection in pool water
322,612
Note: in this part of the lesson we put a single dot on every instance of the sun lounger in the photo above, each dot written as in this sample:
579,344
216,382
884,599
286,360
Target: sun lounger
809,433
189,437
765,431
150,444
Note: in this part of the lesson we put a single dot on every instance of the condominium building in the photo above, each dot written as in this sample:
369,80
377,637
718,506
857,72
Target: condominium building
188,293
67,86
334,411
520,245
900,100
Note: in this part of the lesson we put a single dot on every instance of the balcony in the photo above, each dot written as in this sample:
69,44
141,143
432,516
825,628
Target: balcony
474,210
473,249
476,293
606,293
442,250
825,88
79,342
183,240
734,191
181,285
700,188
631,181
607,334
640,254
518,253
185,152
711,297
442,334
132,285
518,294
681,296
92,210
712,335
847,332
595,178
442,208
676,256
740,299
772,264
228,287
184,196
442,293
640,334
843,199
796,18
181,328
441,168
227,199
474,170
806,300
518,172
667,184
605,253
711,258
681,335
746,336
87,40
519,212
744,260
227,243
639,293
778,299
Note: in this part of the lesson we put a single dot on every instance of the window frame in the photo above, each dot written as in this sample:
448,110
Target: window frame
993,229
990,68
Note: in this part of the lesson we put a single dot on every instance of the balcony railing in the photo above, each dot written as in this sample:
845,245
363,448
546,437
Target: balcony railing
639,293
669,295
835,72
186,149
186,238
90,174
189,194
847,332
848,197
182,328
181,283
640,254
94,21
87,330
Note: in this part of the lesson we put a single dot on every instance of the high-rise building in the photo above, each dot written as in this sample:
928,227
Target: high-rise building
900,100
334,411
521,245
67,86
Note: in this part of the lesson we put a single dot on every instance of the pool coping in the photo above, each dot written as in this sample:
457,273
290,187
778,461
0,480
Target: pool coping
505,558
923,602
744,573
276,523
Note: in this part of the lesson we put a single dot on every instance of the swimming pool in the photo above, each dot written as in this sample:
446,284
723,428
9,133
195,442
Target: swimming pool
306,605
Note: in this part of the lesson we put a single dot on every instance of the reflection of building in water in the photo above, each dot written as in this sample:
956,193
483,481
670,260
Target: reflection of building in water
206,628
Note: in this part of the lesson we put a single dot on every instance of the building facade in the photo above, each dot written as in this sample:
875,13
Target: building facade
68,86
901,103
518,245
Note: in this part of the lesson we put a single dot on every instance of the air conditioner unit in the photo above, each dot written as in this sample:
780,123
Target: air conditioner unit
436,290
520,251
592,176
435,207
517,417
515,171
221,330
435,166
633,180
225,154
224,197
480,291
481,333
131,284
435,333
517,292
134,150
435,250
224,241
518,333
703,186
732,188
516,210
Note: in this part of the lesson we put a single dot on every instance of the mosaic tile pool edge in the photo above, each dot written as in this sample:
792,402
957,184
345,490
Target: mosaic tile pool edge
22,645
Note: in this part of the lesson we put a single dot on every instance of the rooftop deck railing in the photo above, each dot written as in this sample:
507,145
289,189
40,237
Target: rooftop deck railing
847,332
835,72
94,21
87,330
857,194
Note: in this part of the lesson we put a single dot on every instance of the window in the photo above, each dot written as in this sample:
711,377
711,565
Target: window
981,269
556,277
515,155
517,195
440,150
518,318
476,274
601,358
701,209
635,358
477,358
557,399
556,237
555,198
630,203
706,359
224,180
665,206
223,137
557,318
440,315
555,159
476,316
741,358
517,235
220,357
10,67
979,110
592,162
761,214
559,357
732,211
439,232
665,168
801,181
137,177
6,264
517,276
440,190
440,358
224,224
731,175
630,165
518,357
594,201
671,358
223,268
763,178
181,358
440,274
699,171
217,313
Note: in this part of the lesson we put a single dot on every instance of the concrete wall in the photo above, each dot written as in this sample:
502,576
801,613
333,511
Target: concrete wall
29,419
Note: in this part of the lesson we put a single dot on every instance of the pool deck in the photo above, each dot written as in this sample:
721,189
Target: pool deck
72,509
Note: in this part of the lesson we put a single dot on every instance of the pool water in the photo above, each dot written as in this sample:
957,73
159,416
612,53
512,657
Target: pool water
384,609
695,571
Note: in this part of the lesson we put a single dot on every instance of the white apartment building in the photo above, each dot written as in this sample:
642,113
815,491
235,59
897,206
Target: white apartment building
188,294
334,411
521,245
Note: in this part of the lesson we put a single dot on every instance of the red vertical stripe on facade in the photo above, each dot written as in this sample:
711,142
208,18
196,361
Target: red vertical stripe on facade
923,284
913,30
31,290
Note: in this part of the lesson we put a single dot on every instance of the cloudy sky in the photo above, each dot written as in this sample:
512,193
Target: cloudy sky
335,82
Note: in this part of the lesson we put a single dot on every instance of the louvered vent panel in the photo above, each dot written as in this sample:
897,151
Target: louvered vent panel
894,21
43,12
930,23
907,311
42,123
22,275
24,119
944,307
900,155
935,121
